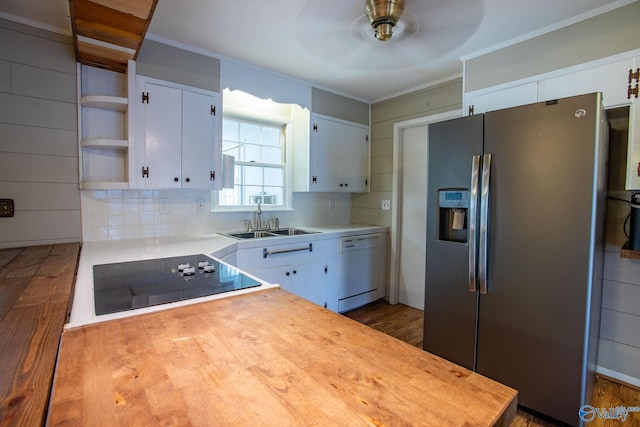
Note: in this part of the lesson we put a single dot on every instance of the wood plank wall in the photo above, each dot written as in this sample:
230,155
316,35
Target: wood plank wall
38,137
365,208
620,317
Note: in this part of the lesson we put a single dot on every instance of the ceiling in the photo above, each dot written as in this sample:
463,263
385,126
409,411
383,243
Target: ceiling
331,43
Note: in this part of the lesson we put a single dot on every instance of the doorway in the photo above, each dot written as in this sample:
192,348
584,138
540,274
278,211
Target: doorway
408,229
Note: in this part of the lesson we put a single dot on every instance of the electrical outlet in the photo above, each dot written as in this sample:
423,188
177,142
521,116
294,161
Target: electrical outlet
386,205
6,208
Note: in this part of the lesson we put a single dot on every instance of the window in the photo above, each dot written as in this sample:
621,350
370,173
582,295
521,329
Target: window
260,163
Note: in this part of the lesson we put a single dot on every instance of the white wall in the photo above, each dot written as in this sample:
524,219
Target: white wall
38,137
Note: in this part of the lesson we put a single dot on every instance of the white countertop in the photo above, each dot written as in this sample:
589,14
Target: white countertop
214,244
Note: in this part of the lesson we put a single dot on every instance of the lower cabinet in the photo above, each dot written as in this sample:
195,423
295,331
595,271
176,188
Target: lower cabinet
307,269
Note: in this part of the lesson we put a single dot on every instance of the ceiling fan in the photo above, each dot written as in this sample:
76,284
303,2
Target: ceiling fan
378,34
383,16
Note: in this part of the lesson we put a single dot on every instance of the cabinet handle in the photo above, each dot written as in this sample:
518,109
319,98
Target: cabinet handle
176,179
287,273
266,252
295,272
188,179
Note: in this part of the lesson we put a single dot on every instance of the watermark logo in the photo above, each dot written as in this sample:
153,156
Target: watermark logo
588,413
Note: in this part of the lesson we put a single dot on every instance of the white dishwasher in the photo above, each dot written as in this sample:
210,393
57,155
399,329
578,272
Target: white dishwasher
360,271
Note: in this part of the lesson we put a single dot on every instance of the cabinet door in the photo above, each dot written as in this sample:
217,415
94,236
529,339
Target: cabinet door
504,98
198,140
308,280
280,275
340,153
355,158
326,152
163,133
610,79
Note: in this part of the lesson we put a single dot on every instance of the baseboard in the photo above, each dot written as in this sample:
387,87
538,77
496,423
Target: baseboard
619,377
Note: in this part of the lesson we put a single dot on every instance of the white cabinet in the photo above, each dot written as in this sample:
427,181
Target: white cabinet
306,279
610,76
503,98
180,129
338,157
305,268
104,135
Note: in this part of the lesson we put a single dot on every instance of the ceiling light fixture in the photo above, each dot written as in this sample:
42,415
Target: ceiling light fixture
383,15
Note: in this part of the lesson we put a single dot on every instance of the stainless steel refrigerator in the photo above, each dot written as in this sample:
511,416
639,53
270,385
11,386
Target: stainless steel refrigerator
514,258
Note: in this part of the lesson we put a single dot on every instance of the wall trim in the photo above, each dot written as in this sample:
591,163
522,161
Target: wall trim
396,227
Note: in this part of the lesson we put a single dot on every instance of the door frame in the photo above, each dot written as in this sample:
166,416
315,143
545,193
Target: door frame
396,226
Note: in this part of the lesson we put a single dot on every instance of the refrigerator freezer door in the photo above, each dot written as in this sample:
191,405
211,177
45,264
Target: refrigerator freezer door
542,237
450,309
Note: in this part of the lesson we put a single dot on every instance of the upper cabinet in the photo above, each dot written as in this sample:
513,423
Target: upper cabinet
339,156
104,134
179,134
336,154
615,77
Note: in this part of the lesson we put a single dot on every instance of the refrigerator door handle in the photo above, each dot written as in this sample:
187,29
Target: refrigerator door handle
473,218
484,224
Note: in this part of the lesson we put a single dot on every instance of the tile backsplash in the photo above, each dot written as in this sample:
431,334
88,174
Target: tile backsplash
132,214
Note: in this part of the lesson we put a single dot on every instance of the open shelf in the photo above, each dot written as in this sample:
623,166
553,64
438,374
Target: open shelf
114,103
118,144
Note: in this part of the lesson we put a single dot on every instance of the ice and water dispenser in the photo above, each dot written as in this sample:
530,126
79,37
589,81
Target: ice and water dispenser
453,210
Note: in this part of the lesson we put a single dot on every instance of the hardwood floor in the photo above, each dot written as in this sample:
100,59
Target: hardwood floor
405,323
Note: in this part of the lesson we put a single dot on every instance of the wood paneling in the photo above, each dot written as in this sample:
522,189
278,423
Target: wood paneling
29,111
40,83
120,25
38,51
38,138
35,290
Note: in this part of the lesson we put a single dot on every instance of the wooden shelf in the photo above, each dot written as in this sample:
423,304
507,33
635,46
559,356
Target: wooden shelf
115,103
118,144
626,252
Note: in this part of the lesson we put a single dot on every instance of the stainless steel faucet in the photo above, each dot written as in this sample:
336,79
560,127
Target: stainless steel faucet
257,219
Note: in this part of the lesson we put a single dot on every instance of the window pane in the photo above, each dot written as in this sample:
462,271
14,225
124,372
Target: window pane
229,196
254,142
273,176
251,153
277,194
272,155
250,132
252,175
271,136
252,195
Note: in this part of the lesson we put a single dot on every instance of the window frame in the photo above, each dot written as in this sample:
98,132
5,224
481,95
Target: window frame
287,192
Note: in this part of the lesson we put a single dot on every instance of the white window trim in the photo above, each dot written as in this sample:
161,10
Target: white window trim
288,170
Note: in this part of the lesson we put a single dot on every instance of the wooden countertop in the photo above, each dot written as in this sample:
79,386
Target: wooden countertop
267,358
35,290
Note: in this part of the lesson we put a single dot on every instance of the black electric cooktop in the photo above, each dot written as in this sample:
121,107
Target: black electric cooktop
129,285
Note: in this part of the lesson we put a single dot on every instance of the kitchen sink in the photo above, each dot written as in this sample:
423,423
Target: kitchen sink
291,232
251,235
269,233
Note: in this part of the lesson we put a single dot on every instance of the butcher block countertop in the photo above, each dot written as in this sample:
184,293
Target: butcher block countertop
267,358
35,288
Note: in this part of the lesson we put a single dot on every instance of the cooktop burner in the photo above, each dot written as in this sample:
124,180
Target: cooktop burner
129,285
